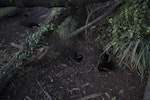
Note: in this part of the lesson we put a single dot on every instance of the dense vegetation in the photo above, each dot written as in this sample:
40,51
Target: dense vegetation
130,31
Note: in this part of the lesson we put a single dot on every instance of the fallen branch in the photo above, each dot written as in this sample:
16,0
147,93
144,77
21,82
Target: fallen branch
15,45
93,11
100,18
91,96
38,55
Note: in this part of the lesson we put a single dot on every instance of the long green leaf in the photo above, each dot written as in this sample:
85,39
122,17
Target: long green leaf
122,48
147,55
140,56
126,51
106,50
117,48
143,67
134,50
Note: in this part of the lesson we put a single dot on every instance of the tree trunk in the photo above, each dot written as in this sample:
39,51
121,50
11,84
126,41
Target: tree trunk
46,3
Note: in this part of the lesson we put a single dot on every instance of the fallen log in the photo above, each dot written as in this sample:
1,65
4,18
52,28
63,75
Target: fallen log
27,48
46,3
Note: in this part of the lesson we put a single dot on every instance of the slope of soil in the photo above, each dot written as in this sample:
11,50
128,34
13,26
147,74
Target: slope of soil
66,76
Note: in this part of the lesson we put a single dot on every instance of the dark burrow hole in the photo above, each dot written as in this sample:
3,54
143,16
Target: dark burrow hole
30,24
26,15
77,56
107,64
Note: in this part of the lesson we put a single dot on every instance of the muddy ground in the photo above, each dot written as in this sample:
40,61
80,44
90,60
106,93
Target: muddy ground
65,76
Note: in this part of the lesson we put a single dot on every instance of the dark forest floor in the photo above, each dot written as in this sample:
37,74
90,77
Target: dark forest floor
64,77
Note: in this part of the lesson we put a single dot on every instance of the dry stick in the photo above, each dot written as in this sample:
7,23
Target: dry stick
87,9
15,45
45,92
91,96
96,20
37,56
89,16
93,11
43,51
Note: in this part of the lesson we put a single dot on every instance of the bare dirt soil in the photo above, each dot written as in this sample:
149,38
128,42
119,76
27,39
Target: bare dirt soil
71,74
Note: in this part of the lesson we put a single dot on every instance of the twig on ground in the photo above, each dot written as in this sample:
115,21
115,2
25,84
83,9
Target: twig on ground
28,98
45,92
15,45
91,96
38,55
51,79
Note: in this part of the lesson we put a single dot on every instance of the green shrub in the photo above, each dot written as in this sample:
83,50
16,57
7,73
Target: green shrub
130,30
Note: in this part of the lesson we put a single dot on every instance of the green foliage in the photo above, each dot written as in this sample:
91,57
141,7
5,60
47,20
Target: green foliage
130,30
68,26
30,43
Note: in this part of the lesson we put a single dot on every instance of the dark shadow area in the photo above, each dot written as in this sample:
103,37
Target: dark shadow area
77,56
29,24
107,64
